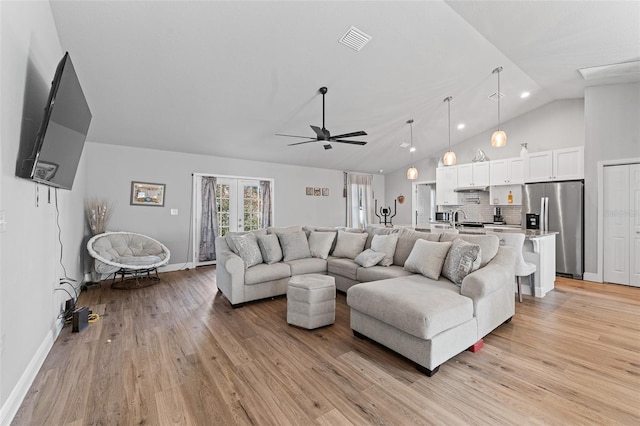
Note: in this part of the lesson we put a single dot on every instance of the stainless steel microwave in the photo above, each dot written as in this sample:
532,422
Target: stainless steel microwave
443,216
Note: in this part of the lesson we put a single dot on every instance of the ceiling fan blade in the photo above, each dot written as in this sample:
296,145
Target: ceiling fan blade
300,143
348,135
323,134
328,146
293,136
351,142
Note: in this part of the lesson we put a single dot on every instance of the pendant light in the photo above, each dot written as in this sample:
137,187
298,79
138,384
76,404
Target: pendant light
449,158
499,137
412,173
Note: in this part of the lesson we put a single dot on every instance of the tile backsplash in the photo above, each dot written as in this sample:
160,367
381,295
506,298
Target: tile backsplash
477,206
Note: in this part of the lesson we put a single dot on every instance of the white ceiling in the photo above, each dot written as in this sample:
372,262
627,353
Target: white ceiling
223,77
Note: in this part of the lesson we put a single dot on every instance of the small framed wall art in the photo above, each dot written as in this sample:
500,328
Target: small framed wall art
309,190
317,192
147,194
325,192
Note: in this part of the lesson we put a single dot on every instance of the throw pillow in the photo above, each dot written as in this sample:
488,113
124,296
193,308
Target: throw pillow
228,237
462,259
320,243
270,248
349,244
248,250
294,245
385,244
406,240
488,245
427,258
369,258
286,230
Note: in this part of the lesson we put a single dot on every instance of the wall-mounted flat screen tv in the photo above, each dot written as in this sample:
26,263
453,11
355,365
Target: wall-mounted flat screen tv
62,132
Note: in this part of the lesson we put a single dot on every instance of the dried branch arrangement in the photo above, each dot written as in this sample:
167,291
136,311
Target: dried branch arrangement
98,214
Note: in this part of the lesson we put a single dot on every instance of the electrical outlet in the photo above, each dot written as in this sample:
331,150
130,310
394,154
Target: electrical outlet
174,212
3,221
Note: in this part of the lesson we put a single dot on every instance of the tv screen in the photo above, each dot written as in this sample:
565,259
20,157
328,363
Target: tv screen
62,133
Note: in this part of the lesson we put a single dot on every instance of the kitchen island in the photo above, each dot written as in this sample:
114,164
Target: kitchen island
539,249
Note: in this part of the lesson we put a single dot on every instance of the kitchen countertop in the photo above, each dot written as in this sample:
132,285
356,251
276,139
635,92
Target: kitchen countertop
529,233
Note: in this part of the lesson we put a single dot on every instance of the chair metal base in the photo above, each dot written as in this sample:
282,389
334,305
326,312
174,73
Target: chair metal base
137,278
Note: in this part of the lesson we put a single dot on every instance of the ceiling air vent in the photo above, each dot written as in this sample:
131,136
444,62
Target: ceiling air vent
355,39
494,96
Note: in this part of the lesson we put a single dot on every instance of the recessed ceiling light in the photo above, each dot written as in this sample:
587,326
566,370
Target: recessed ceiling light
461,126
355,39
524,95
412,149
380,171
404,144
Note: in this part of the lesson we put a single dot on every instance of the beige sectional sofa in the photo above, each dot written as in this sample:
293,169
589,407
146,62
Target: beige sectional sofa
411,306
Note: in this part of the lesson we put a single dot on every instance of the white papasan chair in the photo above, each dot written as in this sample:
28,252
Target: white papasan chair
128,253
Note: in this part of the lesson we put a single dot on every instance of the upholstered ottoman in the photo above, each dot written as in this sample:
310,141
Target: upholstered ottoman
311,301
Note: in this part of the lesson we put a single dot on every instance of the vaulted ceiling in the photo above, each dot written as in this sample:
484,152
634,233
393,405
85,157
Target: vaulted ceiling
223,77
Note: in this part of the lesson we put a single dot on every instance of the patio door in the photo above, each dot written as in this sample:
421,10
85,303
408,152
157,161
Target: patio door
239,209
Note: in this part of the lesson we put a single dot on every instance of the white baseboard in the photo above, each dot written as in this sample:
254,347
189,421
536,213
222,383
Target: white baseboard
13,402
590,276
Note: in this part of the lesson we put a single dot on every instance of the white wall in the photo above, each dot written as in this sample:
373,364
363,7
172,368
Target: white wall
30,267
559,124
612,115
112,168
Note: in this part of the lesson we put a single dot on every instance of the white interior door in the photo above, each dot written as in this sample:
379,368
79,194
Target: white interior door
634,221
616,224
423,204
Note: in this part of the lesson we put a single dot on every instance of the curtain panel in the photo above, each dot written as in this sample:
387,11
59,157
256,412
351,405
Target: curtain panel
359,200
265,190
209,223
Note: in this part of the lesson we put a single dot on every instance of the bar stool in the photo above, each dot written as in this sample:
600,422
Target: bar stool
523,269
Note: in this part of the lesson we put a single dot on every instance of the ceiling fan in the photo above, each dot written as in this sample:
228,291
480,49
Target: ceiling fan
323,135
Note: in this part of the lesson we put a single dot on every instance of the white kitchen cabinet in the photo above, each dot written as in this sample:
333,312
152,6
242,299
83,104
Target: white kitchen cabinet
509,171
559,164
473,175
446,182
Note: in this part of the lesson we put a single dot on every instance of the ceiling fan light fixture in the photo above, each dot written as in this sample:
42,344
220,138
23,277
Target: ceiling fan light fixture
499,137
449,158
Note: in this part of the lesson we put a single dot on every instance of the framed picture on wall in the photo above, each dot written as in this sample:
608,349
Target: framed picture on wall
147,194
309,190
317,192
325,192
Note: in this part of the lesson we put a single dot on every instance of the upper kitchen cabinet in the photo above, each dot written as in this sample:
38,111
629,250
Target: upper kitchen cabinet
473,175
559,164
446,182
509,171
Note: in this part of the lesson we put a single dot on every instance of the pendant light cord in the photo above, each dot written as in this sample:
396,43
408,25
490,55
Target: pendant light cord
497,71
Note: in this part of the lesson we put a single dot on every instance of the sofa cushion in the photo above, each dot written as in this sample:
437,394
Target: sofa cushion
343,267
286,230
385,244
248,250
311,265
378,230
427,258
415,304
260,273
462,259
376,273
294,245
270,248
488,244
350,244
320,243
406,240
229,237
368,258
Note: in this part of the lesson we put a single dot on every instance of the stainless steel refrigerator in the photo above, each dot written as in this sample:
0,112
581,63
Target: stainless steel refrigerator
560,206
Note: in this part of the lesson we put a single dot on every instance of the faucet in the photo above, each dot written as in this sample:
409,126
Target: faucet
455,214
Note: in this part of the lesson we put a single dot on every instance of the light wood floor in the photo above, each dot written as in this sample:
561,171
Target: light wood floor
177,353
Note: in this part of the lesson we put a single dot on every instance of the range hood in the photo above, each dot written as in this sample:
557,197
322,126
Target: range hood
472,189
